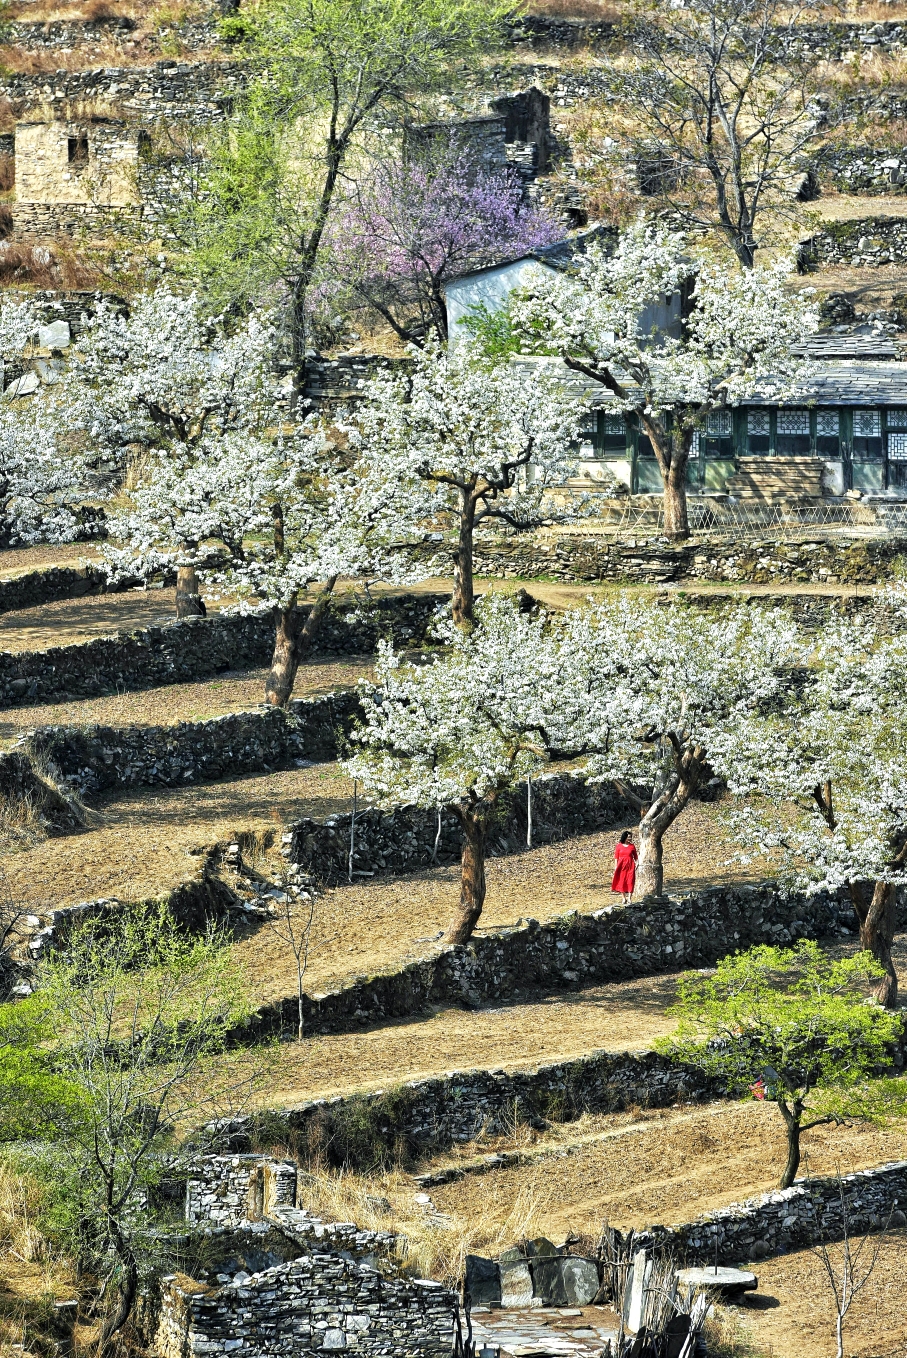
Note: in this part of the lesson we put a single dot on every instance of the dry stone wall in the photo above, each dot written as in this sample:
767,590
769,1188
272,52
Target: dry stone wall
653,560
320,1303
406,838
95,758
868,242
56,582
790,1218
194,648
166,89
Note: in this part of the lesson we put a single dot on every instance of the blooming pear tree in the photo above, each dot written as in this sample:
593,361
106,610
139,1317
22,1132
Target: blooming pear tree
792,1027
271,518
735,340
44,479
460,441
163,381
822,781
645,692
459,731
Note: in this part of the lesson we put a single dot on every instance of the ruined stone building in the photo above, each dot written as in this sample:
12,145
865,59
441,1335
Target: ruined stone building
74,176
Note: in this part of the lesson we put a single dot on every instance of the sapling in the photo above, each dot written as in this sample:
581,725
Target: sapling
793,1027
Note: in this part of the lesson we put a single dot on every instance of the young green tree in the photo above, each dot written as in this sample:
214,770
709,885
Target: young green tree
326,70
136,1015
794,1027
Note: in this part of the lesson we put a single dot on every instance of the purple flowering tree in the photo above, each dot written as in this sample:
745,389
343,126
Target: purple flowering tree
414,226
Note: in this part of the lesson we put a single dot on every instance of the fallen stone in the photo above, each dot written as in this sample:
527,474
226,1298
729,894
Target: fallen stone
516,1283
54,336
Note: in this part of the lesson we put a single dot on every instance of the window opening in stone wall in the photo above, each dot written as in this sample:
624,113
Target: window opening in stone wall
828,433
867,434
78,150
793,437
758,431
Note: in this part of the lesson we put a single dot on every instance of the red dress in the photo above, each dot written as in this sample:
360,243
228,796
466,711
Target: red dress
624,878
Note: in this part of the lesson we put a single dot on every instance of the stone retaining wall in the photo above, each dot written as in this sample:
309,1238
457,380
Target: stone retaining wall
403,839
93,758
67,34
55,582
655,560
195,648
166,89
568,953
864,169
867,241
790,1218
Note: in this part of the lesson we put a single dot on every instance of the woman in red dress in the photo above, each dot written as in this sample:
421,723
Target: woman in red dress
625,856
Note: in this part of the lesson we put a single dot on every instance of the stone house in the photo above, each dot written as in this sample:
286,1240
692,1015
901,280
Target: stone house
74,176
279,1282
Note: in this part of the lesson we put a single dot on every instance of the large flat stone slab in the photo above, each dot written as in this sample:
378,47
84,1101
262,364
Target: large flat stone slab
723,1279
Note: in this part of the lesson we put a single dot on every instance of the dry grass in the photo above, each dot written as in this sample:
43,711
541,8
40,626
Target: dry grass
598,11
42,266
155,14
32,1274
431,1245
792,1312
68,621
665,1166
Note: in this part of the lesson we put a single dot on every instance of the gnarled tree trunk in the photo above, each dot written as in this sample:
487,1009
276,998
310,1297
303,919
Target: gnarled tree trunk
676,781
792,1122
292,643
677,524
473,818
874,907
188,600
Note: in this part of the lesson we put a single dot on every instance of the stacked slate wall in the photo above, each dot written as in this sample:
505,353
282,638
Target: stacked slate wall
194,648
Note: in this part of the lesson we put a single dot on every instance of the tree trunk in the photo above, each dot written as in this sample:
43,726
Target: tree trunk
877,924
793,1151
463,593
650,869
292,644
128,1286
188,603
670,795
677,524
472,876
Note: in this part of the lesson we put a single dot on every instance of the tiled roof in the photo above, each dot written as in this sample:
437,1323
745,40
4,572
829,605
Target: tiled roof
834,382
827,344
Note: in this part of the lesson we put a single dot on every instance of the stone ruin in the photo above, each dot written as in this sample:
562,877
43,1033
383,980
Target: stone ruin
279,1281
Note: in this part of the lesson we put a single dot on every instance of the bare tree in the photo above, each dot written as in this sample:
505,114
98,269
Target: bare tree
291,923
12,919
716,106
848,1275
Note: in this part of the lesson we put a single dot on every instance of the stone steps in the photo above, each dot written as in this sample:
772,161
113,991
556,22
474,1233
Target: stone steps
777,478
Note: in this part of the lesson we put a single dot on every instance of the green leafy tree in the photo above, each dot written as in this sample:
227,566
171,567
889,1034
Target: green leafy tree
326,70
135,1015
794,1027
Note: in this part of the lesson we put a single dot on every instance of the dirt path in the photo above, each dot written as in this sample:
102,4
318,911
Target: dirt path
239,691
19,560
96,615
